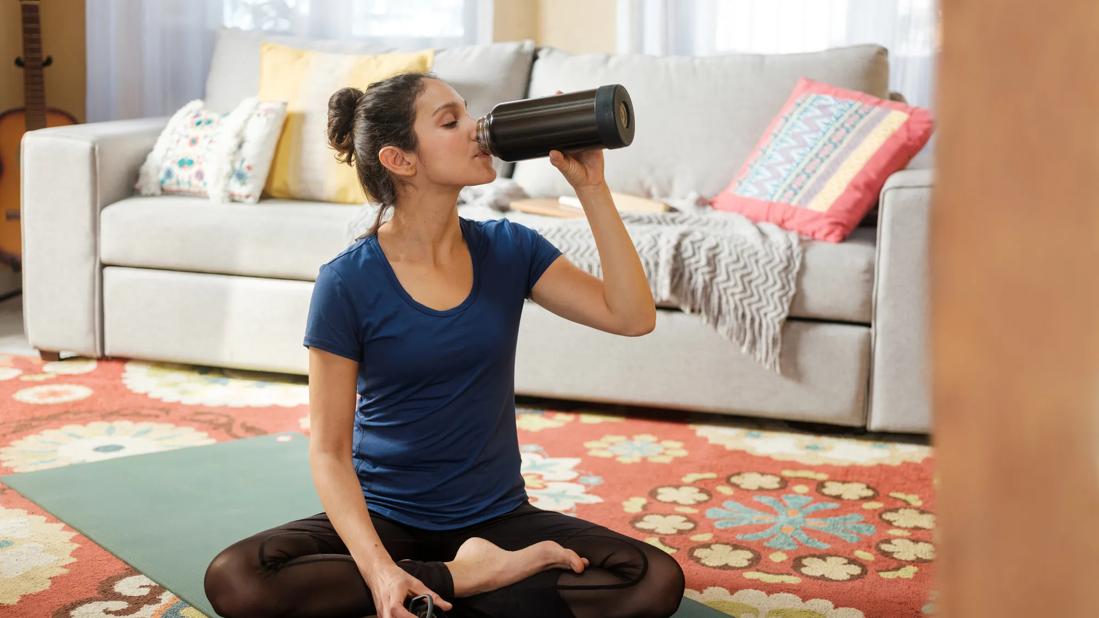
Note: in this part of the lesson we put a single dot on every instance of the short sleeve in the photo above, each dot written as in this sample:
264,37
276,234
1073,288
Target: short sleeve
332,324
541,254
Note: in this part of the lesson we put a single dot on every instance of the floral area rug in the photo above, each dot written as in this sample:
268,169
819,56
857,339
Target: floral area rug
766,520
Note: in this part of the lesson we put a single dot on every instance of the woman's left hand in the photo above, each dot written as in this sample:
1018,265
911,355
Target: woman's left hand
581,169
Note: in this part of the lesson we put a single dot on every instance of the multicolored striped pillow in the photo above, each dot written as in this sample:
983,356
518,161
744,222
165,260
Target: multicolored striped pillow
821,163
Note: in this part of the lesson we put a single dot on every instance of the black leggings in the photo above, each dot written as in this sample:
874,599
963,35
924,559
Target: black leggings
302,568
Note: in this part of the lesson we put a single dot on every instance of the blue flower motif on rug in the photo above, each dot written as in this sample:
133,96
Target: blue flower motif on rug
787,525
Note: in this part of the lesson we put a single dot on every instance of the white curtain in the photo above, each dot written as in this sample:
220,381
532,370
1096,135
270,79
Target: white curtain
909,29
149,57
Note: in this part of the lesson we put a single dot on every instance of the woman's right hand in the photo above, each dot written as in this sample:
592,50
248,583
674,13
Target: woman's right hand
391,586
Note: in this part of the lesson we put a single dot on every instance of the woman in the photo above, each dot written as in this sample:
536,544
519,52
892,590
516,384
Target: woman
419,317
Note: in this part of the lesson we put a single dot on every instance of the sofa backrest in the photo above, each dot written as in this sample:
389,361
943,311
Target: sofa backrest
698,118
484,74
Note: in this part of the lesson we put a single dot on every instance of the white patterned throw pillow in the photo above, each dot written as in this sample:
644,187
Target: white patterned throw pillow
221,156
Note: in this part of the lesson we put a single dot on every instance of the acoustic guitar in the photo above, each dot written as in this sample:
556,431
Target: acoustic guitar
17,121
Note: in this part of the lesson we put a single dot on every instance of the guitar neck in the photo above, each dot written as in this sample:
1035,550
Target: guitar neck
34,87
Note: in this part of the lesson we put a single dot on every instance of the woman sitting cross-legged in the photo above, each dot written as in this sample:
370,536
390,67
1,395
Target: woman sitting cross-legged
414,451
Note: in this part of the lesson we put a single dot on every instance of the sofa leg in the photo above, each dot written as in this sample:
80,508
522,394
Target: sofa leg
48,356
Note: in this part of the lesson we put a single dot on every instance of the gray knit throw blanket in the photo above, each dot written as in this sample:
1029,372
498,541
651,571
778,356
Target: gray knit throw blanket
740,275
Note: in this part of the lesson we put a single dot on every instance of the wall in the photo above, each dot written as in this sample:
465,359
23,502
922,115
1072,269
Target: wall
515,19
578,26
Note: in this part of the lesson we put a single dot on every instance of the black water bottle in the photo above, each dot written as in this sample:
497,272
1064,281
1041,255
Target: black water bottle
529,128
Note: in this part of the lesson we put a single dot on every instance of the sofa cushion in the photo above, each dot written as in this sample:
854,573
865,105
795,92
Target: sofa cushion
836,280
304,167
290,239
484,74
820,166
204,153
697,117
283,239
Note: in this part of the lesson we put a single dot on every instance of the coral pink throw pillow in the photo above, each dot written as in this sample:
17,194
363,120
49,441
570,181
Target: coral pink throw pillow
822,161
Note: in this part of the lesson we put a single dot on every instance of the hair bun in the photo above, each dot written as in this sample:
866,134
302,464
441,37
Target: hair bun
341,122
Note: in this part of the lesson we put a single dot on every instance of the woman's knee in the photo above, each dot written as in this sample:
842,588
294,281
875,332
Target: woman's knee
650,583
667,582
233,583
659,593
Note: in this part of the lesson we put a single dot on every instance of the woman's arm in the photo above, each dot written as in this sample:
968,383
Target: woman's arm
621,301
331,417
625,286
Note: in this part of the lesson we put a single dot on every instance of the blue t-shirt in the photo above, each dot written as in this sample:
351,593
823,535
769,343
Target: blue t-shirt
434,442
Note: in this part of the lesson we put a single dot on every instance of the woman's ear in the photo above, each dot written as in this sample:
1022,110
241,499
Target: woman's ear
394,159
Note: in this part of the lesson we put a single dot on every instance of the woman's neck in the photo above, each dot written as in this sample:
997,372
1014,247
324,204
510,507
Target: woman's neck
422,235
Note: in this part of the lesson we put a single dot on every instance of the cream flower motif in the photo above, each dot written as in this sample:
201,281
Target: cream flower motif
537,421
757,480
7,373
32,552
71,366
664,524
687,495
52,393
723,556
909,518
846,491
132,590
633,450
211,386
811,449
759,604
548,482
72,444
831,568
907,550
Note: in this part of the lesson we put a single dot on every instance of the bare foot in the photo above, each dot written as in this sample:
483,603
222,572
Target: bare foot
481,566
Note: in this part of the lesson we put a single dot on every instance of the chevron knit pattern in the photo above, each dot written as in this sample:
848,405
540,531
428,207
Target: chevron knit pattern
740,275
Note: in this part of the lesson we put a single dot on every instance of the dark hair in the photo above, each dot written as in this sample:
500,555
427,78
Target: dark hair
361,123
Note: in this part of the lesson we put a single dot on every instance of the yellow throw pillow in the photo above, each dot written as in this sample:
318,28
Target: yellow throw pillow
305,167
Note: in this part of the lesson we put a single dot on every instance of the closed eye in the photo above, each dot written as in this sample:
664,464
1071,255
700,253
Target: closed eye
451,124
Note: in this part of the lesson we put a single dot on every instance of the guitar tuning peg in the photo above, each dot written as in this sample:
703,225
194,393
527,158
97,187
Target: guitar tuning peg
45,63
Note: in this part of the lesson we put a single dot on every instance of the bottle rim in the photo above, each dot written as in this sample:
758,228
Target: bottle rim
484,138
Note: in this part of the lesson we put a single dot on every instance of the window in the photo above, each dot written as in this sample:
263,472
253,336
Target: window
400,24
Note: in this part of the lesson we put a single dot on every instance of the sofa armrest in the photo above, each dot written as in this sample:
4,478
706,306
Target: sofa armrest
900,397
68,174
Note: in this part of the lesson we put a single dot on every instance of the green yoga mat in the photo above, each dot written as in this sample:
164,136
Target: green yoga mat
168,514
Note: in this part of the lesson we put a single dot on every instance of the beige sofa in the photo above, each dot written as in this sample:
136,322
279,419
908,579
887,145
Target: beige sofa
111,274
